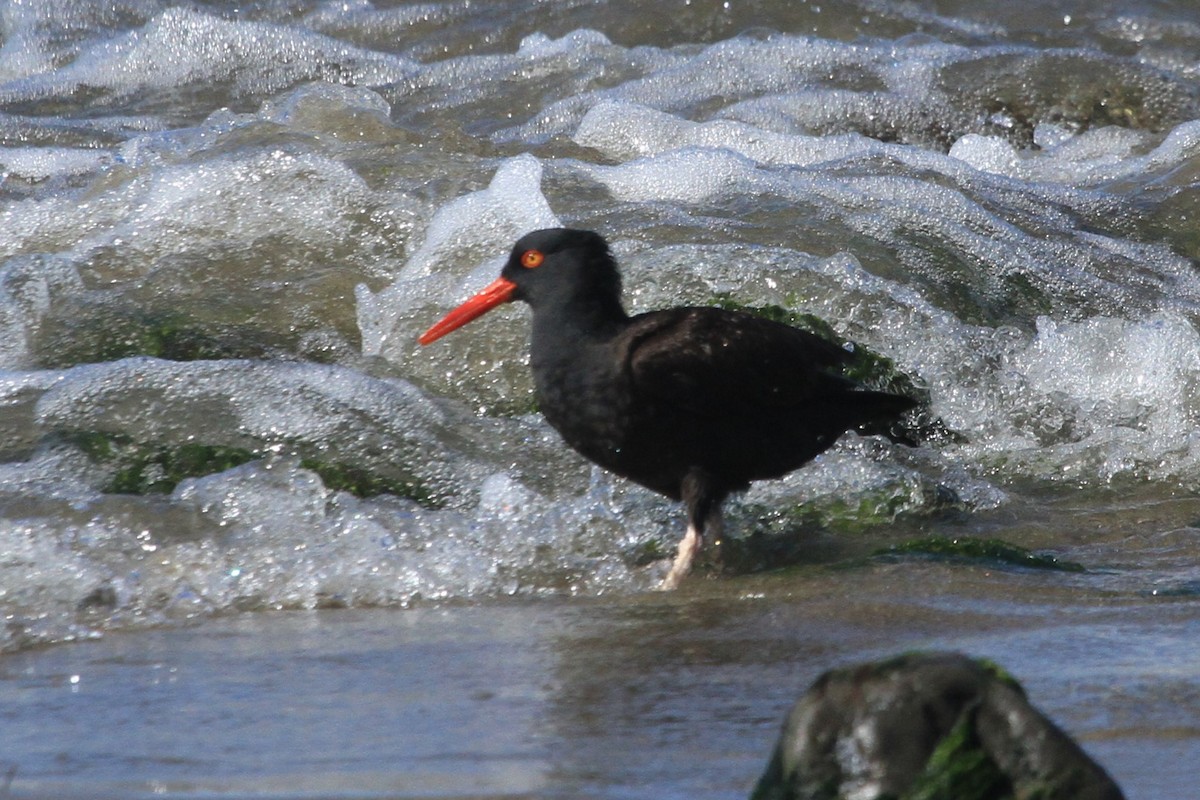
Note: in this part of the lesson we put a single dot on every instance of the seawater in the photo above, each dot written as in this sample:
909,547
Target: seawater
223,225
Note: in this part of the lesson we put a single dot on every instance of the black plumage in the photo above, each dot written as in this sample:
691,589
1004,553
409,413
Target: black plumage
692,402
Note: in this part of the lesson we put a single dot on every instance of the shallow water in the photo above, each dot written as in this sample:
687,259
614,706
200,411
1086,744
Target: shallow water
223,225
642,696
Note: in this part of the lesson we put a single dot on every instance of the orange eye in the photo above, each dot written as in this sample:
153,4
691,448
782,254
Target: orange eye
532,258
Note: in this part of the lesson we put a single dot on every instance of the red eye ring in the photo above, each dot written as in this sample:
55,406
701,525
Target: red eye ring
532,258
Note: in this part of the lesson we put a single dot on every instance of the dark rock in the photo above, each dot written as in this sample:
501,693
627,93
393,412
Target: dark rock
926,726
102,597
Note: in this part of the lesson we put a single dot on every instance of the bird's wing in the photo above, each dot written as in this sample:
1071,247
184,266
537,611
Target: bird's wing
710,360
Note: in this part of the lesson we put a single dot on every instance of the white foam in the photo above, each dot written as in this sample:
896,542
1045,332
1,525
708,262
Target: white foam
539,45
511,205
1083,402
333,16
42,163
1094,157
302,196
1085,270
232,400
624,131
323,107
464,247
178,198
745,68
689,175
1138,374
183,47
1048,134
269,534
986,153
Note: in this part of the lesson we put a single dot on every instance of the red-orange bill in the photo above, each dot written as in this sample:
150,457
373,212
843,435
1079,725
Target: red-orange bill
497,292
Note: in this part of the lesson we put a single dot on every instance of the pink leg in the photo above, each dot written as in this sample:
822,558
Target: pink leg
689,546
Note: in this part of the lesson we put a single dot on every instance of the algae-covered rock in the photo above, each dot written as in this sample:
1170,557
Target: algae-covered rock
966,548
157,468
926,726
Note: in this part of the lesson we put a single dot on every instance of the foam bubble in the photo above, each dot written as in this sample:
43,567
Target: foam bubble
1138,374
269,533
1092,157
335,413
355,113
42,163
183,47
689,175
302,195
539,45
626,130
746,69
986,153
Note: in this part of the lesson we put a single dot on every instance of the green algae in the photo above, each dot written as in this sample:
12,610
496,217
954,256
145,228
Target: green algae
361,482
995,551
141,468
108,336
959,768
159,470
147,469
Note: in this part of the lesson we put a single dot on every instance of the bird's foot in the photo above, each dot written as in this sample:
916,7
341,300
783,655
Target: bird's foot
689,546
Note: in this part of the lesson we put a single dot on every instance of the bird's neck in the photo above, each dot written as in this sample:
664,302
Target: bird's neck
584,316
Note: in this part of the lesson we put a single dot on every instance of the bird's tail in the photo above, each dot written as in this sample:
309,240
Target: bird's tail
878,414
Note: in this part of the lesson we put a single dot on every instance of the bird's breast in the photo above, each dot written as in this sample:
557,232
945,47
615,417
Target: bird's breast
584,396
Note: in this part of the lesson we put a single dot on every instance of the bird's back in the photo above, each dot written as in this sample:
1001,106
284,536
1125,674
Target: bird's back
742,397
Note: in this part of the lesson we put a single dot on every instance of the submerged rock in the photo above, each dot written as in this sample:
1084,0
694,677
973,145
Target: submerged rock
926,725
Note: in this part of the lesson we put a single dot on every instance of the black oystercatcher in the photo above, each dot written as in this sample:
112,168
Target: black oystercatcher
694,403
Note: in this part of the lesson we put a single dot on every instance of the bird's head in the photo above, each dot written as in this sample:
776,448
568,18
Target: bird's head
546,268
